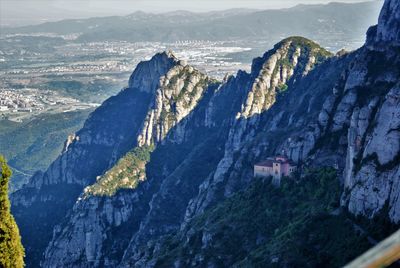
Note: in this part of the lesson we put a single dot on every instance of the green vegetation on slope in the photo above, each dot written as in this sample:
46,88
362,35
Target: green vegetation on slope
33,145
11,250
297,225
83,88
126,174
309,54
309,48
7,126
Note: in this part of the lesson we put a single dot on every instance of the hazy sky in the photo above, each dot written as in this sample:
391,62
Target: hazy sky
23,12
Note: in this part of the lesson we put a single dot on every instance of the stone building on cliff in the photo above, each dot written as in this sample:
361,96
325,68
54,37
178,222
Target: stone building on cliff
275,167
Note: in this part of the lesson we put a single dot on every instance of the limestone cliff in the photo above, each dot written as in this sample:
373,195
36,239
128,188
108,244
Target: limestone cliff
388,28
253,94
169,120
278,71
109,133
372,173
178,94
98,211
350,122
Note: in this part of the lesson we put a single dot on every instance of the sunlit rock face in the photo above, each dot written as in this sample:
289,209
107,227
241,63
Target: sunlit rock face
109,133
371,176
107,204
277,71
187,110
178,94
388,29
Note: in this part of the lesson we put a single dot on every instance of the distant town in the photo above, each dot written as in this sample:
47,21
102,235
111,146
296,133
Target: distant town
18,104
43,72
47,73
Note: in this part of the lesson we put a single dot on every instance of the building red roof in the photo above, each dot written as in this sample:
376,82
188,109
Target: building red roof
266,163
271,160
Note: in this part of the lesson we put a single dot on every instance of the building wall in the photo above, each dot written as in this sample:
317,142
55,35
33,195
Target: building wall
277,170
260,171
285,169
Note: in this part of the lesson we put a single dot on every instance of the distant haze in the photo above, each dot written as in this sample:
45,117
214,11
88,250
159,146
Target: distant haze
26,12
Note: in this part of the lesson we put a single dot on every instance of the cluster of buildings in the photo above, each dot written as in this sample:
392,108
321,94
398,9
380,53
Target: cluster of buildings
111,66
14,101
276,167
29,100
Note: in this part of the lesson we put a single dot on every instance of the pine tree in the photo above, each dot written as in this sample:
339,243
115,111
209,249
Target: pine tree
11,250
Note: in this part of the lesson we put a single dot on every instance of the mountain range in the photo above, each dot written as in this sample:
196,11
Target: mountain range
321,22
161,175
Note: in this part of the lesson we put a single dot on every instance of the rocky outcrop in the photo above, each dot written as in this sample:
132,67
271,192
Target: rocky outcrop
146,76
71,139
89,240
82,237
178,94
105,137
184,116
372,166
242,118
277,71
371,176
388,28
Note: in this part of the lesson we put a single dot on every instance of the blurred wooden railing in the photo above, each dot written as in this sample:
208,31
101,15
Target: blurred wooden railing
384,254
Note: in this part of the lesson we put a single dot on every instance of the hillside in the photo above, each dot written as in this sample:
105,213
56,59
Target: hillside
32,145
297,225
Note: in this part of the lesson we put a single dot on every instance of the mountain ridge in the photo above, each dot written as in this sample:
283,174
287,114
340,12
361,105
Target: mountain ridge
142,85
243,26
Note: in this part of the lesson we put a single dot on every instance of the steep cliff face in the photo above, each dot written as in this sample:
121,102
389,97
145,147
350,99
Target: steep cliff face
278,71
355,130
190,115
258,91
350,122
179,93
388,28
372,172
109,133
106,207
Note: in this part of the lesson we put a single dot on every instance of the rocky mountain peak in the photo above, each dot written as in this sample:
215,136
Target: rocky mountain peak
280,67
179,91
112,129
178,94
146,75
389,22
388,28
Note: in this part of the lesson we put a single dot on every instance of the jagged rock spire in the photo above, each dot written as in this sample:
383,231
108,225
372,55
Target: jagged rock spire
145,77
388,28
